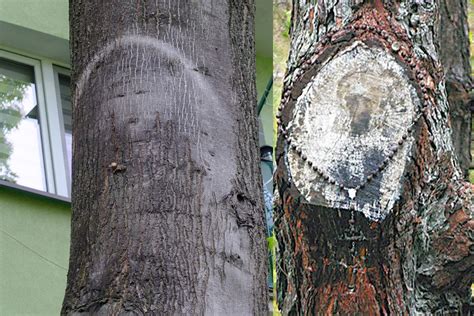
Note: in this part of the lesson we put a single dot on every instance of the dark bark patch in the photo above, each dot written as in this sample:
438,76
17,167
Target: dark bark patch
242,208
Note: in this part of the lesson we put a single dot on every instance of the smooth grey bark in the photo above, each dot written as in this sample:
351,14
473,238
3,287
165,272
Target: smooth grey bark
334,256
167,208
453,48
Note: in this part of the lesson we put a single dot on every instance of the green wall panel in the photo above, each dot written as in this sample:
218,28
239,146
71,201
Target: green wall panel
34,251
264,67
264,73
46,16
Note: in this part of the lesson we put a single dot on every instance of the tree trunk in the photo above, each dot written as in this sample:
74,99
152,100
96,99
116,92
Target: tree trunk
453,45
167,198
372,214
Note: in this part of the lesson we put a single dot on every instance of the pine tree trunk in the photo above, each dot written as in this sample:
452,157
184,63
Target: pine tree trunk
372,214
453,44
167,199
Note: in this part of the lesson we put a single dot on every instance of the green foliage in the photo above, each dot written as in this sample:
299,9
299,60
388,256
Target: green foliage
471,59
272,242
471,37
286,29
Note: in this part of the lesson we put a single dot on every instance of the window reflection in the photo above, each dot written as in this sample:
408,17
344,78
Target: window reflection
21,158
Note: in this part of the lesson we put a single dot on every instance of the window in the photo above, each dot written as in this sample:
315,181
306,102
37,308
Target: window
35,125
21,150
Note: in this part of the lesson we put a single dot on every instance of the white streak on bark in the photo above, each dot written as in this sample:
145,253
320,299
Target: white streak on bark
147,41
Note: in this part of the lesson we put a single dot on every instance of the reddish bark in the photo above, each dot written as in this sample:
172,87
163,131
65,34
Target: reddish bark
417,259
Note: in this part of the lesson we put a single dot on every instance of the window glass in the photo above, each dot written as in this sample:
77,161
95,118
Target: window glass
21,155
64,89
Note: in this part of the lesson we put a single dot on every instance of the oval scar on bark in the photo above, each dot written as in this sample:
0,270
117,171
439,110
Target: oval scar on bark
347,122
144,41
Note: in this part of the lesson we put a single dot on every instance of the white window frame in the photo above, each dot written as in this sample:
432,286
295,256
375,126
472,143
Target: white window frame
56,171
60,70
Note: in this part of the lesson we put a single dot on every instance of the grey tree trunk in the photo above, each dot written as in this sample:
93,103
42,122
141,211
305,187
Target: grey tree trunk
372,214
453,45
167,199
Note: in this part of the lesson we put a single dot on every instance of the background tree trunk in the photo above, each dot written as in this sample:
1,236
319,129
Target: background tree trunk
167,199
453,48
392,234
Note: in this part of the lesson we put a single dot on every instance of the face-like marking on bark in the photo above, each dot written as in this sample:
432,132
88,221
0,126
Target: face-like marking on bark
347,121
159,46
145,41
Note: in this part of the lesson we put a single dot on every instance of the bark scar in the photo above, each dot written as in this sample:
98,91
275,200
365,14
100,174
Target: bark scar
242,207
116,167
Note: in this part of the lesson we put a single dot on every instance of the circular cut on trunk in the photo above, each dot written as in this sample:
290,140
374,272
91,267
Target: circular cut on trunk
352,121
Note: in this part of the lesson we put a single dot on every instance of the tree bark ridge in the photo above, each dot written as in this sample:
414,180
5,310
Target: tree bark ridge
167,208
453,47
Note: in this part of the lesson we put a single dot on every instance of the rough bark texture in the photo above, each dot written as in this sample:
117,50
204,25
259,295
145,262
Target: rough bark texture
167,199
333,257
453,48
